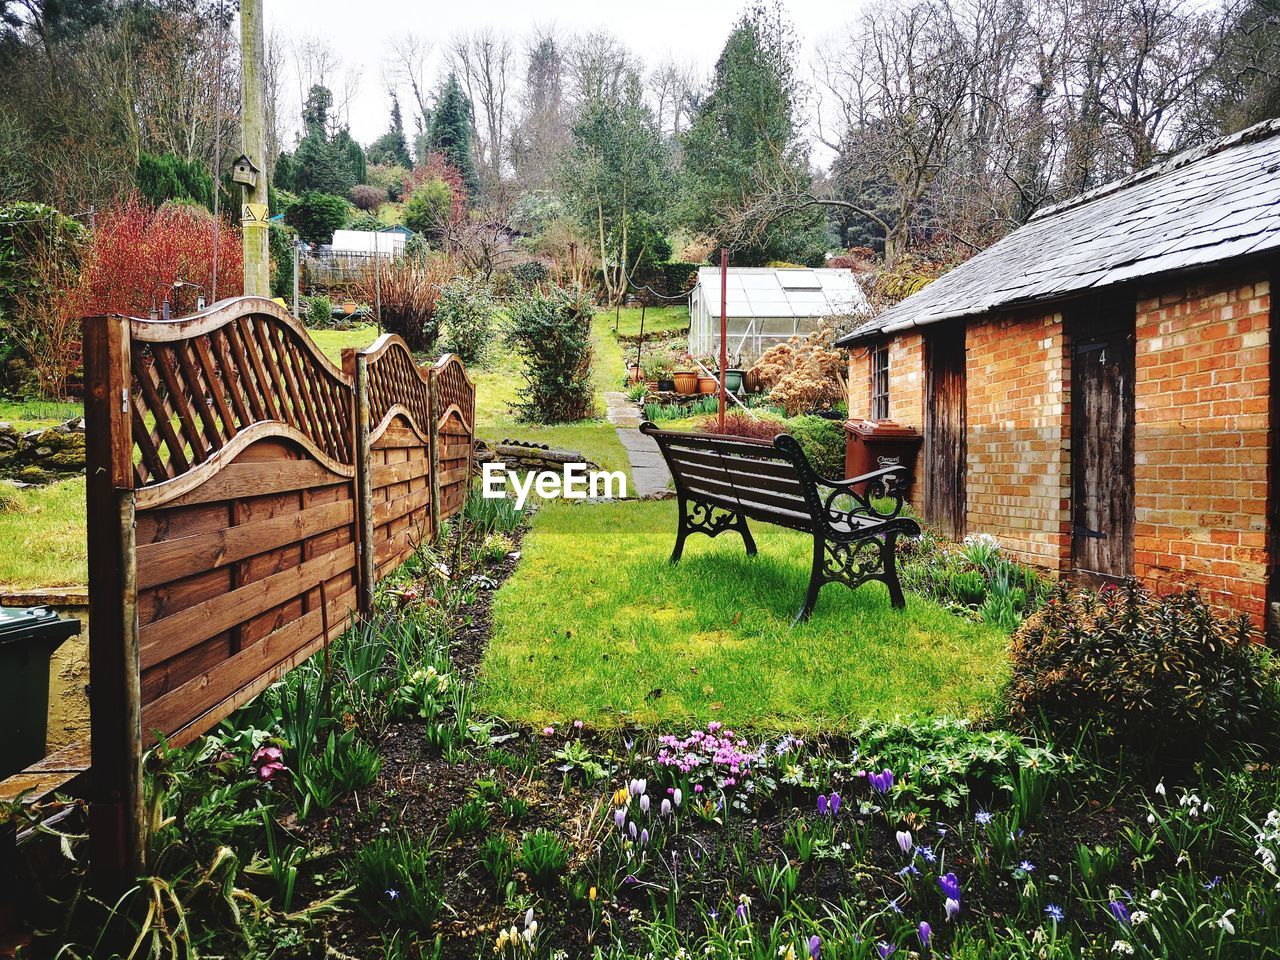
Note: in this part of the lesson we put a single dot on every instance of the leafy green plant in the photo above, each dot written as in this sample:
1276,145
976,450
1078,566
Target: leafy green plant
551,330
470,816
397,879
498,860
466,313
1160,675
544,858
823,442
345,764
319,312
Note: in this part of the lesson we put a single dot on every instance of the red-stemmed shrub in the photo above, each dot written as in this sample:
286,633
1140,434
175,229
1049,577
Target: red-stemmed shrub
436,167
739,424
139,251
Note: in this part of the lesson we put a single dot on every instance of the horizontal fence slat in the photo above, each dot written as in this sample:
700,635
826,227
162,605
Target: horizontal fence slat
401,507
240,480
166,638
173,559
385,474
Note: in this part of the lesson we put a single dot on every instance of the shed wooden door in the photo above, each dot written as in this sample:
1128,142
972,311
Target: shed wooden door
944,428
1273,493
1102,372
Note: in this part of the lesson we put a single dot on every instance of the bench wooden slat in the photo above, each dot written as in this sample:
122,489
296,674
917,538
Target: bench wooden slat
729,486
756,511
767,468
740,447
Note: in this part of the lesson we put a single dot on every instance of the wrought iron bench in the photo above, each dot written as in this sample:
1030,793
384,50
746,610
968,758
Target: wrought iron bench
722,481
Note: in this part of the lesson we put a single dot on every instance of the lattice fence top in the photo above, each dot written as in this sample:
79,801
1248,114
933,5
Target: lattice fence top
201,381
454,389
396,381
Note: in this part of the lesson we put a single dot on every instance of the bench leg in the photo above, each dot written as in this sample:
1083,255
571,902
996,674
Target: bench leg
746,536
890,554
817,577
698,517
682,531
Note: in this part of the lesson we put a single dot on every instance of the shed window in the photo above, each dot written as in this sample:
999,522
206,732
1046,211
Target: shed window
880,382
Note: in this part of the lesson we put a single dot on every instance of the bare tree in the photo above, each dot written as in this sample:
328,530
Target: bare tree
598,68
673,88
408,67
484,61
541,136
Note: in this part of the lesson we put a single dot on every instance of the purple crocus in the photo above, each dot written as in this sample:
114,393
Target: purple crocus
886,950
644,802
822,804
952,908
904,840
924,932
881,782
742,912
1119,911
644,838
620,817
949,886
632,829
835,803
815,947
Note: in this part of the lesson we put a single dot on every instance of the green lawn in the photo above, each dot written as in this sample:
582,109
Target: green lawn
333,342
42,532
30,414
656,320
597,625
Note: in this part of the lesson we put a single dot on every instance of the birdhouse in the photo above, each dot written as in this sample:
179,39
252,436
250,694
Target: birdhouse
244,172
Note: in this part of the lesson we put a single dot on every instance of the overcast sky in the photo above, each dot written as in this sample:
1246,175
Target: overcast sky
692,30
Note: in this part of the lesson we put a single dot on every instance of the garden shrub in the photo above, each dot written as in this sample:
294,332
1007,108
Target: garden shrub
41,252
551,330
427,209
366,222
319,312
973,578
466,312
170,177
409,290
317,215
530,273
367,197
805,373
739,424
823,442
1157,675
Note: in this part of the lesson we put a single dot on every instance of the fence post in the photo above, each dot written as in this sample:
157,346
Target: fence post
356,366
116,820
433,437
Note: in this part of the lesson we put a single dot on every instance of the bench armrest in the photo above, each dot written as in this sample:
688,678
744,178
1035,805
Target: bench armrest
877,484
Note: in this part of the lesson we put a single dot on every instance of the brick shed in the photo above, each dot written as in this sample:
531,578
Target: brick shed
1096,389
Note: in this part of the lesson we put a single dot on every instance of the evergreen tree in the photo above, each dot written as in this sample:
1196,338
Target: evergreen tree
450,131
392,149
747,123
328,164
170,177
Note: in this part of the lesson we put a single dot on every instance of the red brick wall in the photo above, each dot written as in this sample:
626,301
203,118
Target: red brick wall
859,383
1201,439
906,380
1018,485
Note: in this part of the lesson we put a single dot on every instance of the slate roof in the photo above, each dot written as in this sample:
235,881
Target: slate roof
1199,207
783,292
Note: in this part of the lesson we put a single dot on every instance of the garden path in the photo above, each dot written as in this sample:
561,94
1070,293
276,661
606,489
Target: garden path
649,473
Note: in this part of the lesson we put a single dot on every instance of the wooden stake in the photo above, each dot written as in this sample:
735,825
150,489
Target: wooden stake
724,327
364,477
433,435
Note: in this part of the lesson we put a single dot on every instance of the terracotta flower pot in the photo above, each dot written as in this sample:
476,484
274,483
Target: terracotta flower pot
706,385
686,381
634,374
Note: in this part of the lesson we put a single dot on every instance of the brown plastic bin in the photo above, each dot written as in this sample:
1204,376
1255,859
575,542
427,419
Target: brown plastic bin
876,444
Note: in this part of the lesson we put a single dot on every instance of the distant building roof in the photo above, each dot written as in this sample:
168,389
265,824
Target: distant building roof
1202,206
783,292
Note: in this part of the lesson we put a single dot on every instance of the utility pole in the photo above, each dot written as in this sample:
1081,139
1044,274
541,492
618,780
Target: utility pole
254,214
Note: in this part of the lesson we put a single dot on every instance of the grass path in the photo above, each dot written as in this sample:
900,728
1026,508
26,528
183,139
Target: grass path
596,624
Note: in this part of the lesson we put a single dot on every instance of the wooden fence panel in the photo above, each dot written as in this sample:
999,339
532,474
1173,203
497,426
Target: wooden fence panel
454,422
244,496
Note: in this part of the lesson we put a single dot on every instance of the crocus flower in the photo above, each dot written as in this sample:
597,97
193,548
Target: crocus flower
666,808
620,817
822,804
742,912
1119,911
835,803
678,797
548,731
577,724
815,947
881,782
904,840
886,950
632,829
949,886
644,838
924,932
644,803
952,906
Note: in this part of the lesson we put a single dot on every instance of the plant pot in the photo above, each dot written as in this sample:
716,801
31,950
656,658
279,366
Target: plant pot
666,386
651,386
733,380
752,381
349,307
686,382
706,385
634,374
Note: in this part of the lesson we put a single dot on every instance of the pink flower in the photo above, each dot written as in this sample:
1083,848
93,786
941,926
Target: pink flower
548,731
577,724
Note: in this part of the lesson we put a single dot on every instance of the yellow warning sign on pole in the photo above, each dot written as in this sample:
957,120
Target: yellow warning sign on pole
253,213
